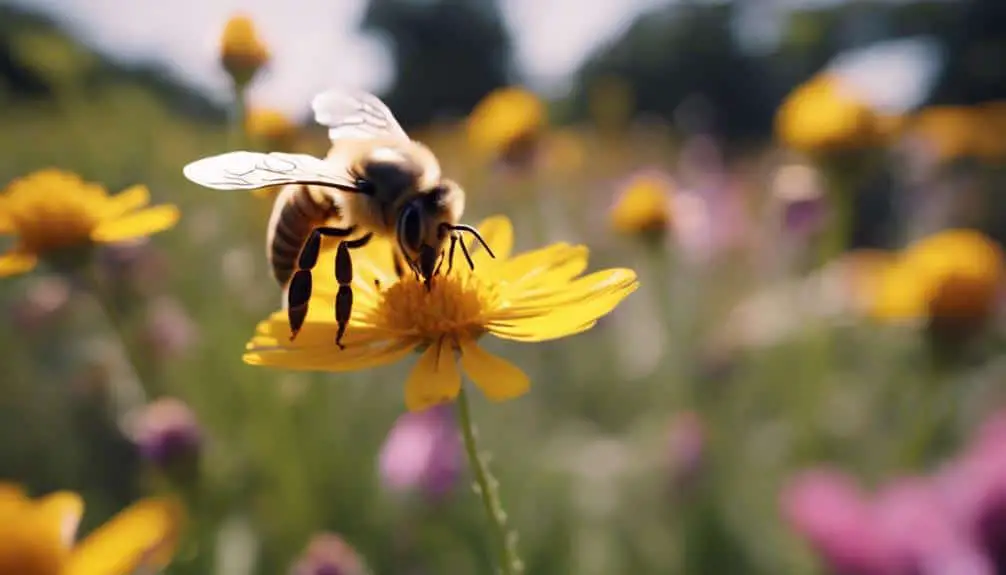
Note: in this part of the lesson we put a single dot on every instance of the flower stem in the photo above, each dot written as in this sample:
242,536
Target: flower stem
487,488
128,390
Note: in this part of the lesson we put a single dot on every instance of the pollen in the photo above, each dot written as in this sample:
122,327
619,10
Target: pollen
455,305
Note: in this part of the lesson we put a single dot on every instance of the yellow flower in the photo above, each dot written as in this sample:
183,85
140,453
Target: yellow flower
644,205
242,53
534,296
271,128
506,124
37,536
51,210
821,116
955,275
959,132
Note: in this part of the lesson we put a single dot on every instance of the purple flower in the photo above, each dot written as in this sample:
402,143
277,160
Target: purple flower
169,331
829,510
168,435
423,453
328,554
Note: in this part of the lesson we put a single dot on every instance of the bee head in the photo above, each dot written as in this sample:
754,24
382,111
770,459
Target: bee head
423,224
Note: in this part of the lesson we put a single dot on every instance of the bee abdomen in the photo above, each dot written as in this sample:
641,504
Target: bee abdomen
297,211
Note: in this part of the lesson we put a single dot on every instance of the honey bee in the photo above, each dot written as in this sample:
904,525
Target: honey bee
375,181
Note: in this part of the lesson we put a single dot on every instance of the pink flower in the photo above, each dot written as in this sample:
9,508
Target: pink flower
422,453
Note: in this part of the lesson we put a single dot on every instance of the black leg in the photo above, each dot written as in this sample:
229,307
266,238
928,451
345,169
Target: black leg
299,291
468,256
344,275
450,253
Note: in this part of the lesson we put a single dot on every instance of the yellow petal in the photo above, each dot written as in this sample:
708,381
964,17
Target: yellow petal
497,231
435,378
143,535
331,358
136,225
579,290
545,330
128,200
14,262
498,379
7,226
61,512
547,266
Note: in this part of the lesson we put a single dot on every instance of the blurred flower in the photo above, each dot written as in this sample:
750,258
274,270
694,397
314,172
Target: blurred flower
686,445
37,536
821,115
798,198
242,53
44,298
832,514
423,453
169,331
271,128
953,276
535,296
329,554
51,210
643,205
506,125
168,436
959,132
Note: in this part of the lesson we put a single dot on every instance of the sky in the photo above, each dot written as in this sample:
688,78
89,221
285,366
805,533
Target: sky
316,44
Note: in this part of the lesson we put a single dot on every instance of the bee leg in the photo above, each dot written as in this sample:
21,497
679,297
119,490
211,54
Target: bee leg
344,275
468,255
299,291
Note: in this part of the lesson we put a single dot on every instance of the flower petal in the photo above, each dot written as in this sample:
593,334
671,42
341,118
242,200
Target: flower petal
7,226
126,201
498,379
579,291
15,262
143,535
555,264
497,231
547,329
330,358
136,225
435,378
61,511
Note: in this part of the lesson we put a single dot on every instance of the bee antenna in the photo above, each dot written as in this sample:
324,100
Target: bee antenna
474,232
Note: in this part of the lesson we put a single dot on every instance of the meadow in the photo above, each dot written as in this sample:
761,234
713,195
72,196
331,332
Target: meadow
703,426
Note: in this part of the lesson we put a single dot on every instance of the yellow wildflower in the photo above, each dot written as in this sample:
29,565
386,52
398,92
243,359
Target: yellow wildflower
821,116
643,206
51,210
271,128
960,132
37,536
955,275
242,53
534,296
506,124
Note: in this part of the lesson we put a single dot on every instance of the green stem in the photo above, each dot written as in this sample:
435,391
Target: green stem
488,490
237,126
129,390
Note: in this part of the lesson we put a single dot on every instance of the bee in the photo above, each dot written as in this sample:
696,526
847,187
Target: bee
375,181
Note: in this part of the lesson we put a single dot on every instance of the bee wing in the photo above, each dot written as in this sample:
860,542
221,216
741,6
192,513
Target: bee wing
254,170
355,115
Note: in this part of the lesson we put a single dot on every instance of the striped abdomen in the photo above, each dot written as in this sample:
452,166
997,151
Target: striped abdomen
298,210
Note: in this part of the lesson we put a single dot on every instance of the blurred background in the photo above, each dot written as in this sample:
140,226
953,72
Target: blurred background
807,381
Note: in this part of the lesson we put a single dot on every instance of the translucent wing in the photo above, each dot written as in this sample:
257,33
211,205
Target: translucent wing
253,170
355,115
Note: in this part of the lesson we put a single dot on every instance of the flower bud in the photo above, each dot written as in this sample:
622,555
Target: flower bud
168,436
328,554
242,53
422,453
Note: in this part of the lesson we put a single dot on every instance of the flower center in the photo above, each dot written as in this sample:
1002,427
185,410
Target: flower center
49,225
455,305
